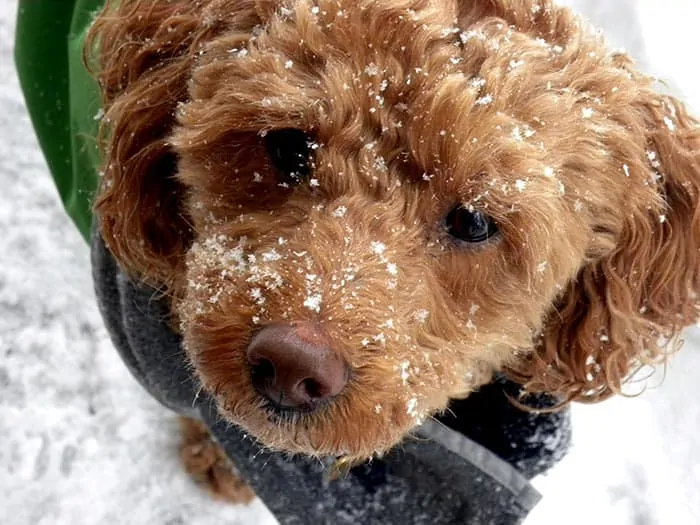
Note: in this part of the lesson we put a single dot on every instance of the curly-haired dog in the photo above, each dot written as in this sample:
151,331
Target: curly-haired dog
362,209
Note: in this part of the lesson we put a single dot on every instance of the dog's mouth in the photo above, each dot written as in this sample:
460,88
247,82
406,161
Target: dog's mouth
278,414
279,411
366,418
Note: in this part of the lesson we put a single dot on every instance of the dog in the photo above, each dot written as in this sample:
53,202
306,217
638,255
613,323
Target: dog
360,210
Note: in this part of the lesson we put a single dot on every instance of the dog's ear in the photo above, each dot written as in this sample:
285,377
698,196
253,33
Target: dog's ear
626,305
142,53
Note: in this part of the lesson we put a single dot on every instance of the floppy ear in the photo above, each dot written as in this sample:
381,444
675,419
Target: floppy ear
142,53
139,52
624,308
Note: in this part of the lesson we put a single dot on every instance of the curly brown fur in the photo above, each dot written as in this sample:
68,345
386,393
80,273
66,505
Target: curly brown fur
513,108
209,466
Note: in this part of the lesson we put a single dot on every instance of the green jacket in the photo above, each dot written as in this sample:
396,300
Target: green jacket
62,99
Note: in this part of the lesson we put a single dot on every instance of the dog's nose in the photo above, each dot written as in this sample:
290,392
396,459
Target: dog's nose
295,367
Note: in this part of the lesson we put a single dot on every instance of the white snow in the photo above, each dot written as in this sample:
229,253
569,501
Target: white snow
82,443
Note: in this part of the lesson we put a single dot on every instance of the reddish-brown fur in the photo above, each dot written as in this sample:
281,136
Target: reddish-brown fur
209,466
512,107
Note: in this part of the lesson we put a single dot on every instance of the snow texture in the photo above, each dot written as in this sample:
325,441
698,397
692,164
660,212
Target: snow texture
82,443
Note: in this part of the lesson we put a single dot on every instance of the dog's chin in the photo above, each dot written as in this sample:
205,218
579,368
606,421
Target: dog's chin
322,432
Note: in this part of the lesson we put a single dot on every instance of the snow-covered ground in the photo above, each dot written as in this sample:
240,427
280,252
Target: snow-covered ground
81,443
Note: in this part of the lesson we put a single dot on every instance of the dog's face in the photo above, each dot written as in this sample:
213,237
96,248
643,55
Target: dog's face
406,198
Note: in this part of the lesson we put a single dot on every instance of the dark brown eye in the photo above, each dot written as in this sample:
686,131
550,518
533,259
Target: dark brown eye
289,151
469,225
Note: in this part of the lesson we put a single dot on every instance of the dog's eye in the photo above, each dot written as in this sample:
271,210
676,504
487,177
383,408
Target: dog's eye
289,151
470,225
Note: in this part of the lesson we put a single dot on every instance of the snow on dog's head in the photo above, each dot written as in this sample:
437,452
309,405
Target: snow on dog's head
364,209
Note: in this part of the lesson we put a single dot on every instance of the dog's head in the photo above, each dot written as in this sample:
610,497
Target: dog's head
365,208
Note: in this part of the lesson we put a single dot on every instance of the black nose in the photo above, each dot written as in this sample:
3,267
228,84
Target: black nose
295,367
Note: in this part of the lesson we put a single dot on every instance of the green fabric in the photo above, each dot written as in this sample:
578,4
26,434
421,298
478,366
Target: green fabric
62,99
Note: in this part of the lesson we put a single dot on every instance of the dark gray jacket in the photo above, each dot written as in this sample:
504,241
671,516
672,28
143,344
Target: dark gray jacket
471,468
